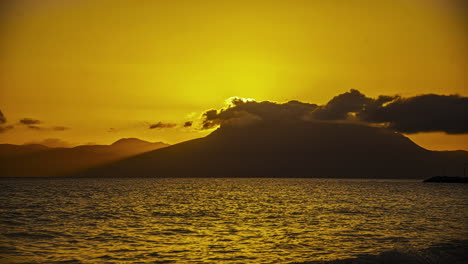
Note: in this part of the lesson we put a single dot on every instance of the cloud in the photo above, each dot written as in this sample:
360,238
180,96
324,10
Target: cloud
340,107
40,128
161,125
30,121
52,143
2,118
422,113
35,127
60,128
241,112
188,124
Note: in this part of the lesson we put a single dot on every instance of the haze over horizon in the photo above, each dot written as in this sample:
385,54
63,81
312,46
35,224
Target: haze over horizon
83,72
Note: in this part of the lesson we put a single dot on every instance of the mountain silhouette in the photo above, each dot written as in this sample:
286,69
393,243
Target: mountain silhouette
10,150
40,161
289,149
133,142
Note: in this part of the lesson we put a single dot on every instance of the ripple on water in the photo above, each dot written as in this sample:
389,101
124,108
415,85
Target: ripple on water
222,220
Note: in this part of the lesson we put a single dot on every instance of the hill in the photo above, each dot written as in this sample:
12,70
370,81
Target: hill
293,149
9,150
41,161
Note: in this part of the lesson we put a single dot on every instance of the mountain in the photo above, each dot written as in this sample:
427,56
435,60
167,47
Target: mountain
41,161
293,149
9,150
133,142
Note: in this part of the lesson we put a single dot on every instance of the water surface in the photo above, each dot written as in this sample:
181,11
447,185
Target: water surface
222,220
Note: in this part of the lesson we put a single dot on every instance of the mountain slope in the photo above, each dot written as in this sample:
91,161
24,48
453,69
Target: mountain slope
9,150
40,161
295,149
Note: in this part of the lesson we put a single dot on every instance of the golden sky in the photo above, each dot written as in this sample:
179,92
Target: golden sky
95,65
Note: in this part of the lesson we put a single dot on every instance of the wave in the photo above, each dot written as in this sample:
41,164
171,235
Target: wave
28,235
453,252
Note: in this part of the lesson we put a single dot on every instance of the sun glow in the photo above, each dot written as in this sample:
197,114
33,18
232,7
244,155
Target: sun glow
110,64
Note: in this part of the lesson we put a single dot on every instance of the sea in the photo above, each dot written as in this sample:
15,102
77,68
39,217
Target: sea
225,220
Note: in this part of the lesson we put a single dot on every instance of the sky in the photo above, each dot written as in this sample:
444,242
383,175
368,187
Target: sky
86,71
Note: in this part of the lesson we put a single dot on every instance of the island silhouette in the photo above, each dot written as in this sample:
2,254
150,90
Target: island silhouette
36,160
288,149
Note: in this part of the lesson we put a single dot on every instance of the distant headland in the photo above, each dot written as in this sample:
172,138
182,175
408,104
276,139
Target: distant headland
447,179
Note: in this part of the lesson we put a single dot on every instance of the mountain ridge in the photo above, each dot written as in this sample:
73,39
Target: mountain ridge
35,160
291,149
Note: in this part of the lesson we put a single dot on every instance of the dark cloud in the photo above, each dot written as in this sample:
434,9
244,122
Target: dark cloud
422,113
35,127
60,128
40,128
353,101
30,121
161,125
4,129
2,118
243,112
188,124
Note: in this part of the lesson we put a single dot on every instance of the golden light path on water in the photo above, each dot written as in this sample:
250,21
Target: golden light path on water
222,220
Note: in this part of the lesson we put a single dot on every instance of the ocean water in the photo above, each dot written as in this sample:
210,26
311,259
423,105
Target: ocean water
223,220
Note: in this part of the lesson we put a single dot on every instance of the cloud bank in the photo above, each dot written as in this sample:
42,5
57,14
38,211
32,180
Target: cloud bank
422,113
244,112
